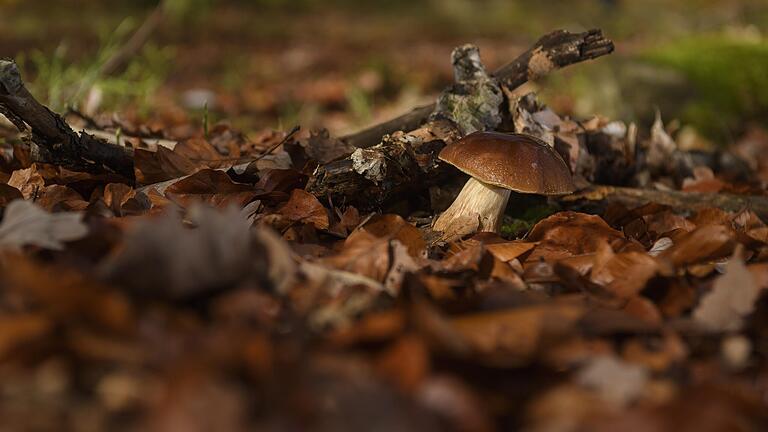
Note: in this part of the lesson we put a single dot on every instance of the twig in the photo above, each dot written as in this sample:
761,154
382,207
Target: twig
55,142
285,139
553,51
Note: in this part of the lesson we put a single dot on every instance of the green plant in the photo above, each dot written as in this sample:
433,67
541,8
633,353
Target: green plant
58,82
360,104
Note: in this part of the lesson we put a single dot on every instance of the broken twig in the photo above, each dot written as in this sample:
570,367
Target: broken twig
553,51
54,141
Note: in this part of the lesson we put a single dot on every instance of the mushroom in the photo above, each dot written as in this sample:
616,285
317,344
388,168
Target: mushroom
499,163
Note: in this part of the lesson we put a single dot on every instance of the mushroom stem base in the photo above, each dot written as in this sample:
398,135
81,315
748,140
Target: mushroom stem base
478,203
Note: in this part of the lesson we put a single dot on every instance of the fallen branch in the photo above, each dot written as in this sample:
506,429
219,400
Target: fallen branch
597,197
405,162
54,141
553,51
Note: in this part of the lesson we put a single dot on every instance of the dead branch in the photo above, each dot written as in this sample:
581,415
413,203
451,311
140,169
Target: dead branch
553,51
403,163
598,197
54,141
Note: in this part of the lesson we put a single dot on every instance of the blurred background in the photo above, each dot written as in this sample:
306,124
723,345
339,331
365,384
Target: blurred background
343,64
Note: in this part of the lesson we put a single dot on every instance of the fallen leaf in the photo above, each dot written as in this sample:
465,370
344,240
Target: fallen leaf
161,257
731,299
304,207
704,243
27,180
508,251
514,335
25,223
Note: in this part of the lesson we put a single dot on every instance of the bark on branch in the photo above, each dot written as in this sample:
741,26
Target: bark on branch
597,197
553,51
54,141
407,161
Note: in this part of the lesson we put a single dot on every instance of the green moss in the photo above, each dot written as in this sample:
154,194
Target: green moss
524,212
729,78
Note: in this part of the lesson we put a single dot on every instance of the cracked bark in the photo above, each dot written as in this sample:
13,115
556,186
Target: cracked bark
53,140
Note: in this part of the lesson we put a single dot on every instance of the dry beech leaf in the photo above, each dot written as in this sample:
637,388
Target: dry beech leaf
391,226
25,223
514,335
704,243
569,233
731,299
508,251
164,164
116,194
212,187
666,221
304,207
60,197
380,259
27,180
623,274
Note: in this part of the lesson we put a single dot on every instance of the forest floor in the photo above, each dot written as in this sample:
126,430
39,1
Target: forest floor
186,248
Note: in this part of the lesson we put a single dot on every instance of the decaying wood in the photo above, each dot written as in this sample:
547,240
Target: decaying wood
54,141
403,163
597,197
553,51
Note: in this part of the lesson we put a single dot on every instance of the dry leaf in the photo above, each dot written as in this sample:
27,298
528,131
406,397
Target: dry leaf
25,223
304,207
731,299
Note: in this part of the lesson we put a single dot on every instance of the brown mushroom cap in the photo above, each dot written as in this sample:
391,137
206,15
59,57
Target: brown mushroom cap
519,162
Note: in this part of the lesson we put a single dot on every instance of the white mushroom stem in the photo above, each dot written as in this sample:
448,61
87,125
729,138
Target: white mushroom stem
477,201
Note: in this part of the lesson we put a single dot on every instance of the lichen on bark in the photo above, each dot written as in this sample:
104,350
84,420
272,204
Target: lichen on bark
473,102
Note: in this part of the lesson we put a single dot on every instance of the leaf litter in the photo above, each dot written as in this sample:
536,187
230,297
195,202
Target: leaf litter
219,293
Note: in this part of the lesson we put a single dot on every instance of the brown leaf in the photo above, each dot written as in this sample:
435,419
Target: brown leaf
704,243
304,207
116,194
508,251
212,187
569,233
59,197
8,193
164,164
516,334
28,181
624,274
394,227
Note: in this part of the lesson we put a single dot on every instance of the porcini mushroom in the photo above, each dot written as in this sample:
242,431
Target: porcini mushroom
498,164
